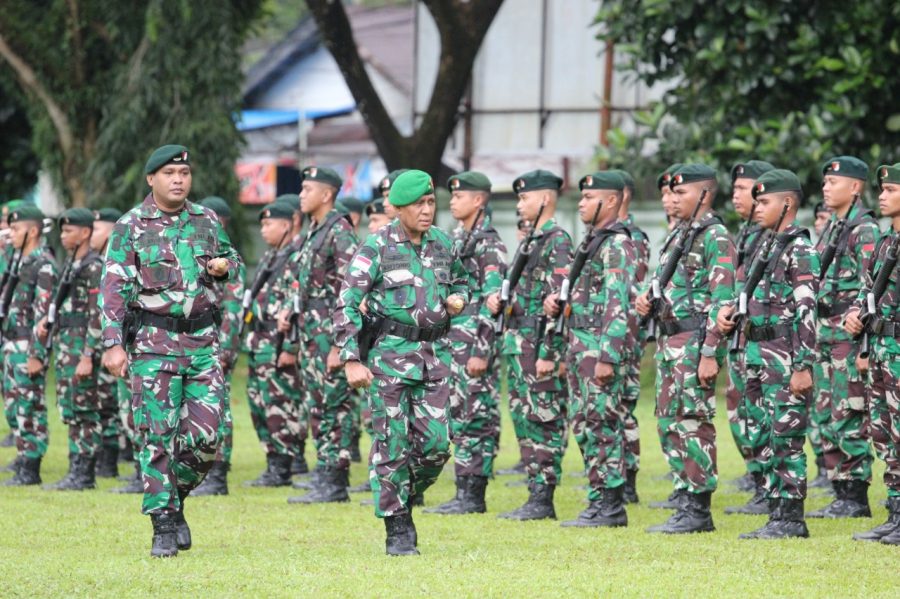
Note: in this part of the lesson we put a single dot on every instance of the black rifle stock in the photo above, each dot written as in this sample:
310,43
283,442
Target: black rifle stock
62,292
834,238
12,281
515,273
581,257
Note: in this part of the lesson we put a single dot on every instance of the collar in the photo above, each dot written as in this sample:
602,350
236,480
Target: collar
150,210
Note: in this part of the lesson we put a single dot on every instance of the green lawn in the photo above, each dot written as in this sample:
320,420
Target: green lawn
253,543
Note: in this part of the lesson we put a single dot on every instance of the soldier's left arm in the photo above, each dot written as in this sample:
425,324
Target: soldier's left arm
118,281
224,249
803,278
619,258
719,256
561,254
43,294
92,276
345,243
362,274
491,259
231,315
863,246
459,282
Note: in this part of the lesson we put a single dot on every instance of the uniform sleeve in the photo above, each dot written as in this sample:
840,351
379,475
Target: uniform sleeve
492,261
43,295
117,284
863,249
804,278
229,336
359,280
560,257
92,337
619,262
719,254
227,250
345,246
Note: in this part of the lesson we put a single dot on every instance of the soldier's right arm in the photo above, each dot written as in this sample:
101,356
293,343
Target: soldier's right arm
362,275
118,282
492,261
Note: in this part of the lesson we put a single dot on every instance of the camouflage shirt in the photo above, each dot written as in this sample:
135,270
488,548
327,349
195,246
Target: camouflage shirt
228,296
156,262
641,267
886,347
79,315
30,300
273,297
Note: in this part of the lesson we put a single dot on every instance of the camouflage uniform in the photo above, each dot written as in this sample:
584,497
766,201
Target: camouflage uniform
156,270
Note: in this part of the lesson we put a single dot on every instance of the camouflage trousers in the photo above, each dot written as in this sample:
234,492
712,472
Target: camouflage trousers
883,424
745,416
474,416
542,439
841,392
685,414
24,401
329,402
275,403
126,416
819,412
599,424
110,423
79,402
778,439
178,405
631,392
223,454
411,439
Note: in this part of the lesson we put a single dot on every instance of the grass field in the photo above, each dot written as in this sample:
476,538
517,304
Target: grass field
252,543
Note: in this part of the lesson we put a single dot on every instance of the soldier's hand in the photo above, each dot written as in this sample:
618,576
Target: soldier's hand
476,367
455,304
723,320
551,304
363,306
333,361
42,330
33,367
862,365
217,267
284,321
286,359
358,375
642,304
493,303
801,382
852,324
115,361
603,373
707,372
84,369
544,368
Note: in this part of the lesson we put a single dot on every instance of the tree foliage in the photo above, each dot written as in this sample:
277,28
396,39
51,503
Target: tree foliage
790,81
18,164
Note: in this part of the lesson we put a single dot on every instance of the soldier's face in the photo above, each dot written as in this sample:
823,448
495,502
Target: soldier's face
889,200
72,237
838,191
376,221
768,210
314,195
530,204
418,216
742,196
685,198
274,230
100,235
587,206
389,210
668,202
464,204
821,221
18,231
171,184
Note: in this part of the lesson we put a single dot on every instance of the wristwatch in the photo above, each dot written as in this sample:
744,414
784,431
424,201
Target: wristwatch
108,343
708,352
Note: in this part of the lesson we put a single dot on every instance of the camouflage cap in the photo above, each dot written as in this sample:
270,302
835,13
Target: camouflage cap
323,174
389,179
291,199
107,215
751,169
469,181
888,174
846,166
627,179
536,180
409,187
163,155
217,205
602,180
375,207
664,177
25,211
350,206
777,181
79,217
692,173
277,210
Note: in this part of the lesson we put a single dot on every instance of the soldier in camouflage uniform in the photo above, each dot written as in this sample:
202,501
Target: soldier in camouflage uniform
384,187
776,363
228,297
690,349
537,400
474,410
163,259
76,332
24,356
666,195
883,361
840,387
598,351
314,283
6,254
412,286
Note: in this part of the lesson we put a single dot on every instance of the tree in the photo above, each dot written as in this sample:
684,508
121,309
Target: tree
462,26
790,81
18,164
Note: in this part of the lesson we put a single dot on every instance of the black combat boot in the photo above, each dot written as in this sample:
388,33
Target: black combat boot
882,530
331,488
276,474
519,468
363,487
298,464
8,441
62,484
672,503
785,521
821,479
746,483
215,483
13,465
82,477
29,473
165,541
608,511
182,530
758,505
400,540
311,483
108,462
469,498
451,506
629,491
126,454
135,485
692,516
355,454
851,501
538,507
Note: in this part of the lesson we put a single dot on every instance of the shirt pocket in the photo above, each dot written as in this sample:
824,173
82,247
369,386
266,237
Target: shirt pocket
399,288
158,264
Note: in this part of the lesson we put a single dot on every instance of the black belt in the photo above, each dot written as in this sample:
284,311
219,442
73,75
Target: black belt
470,309
584,321
318,302
69,321
178,324
835,309
673,327
18,333
524,322
881,327
264,326
414,333
769,332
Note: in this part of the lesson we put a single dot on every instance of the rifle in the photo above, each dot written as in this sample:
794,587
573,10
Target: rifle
581,258
12,281
878,288
259,281
294,330
515,273
658,283
834,238
744,235
464,248
62,292
757,270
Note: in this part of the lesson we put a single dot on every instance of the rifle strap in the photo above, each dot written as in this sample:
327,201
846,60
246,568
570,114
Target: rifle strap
863,216
782,242
689,244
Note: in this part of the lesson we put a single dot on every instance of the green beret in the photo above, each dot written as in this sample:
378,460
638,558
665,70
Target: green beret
107,215
350,206
409,187
627,179
692,173
602,180
277,210
664,177
751,169
375,207
535,180
469,181
777,181
846,166
80,217
164,155
291,199
323,174
820,208
217,205
389,179
888,174
25,211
